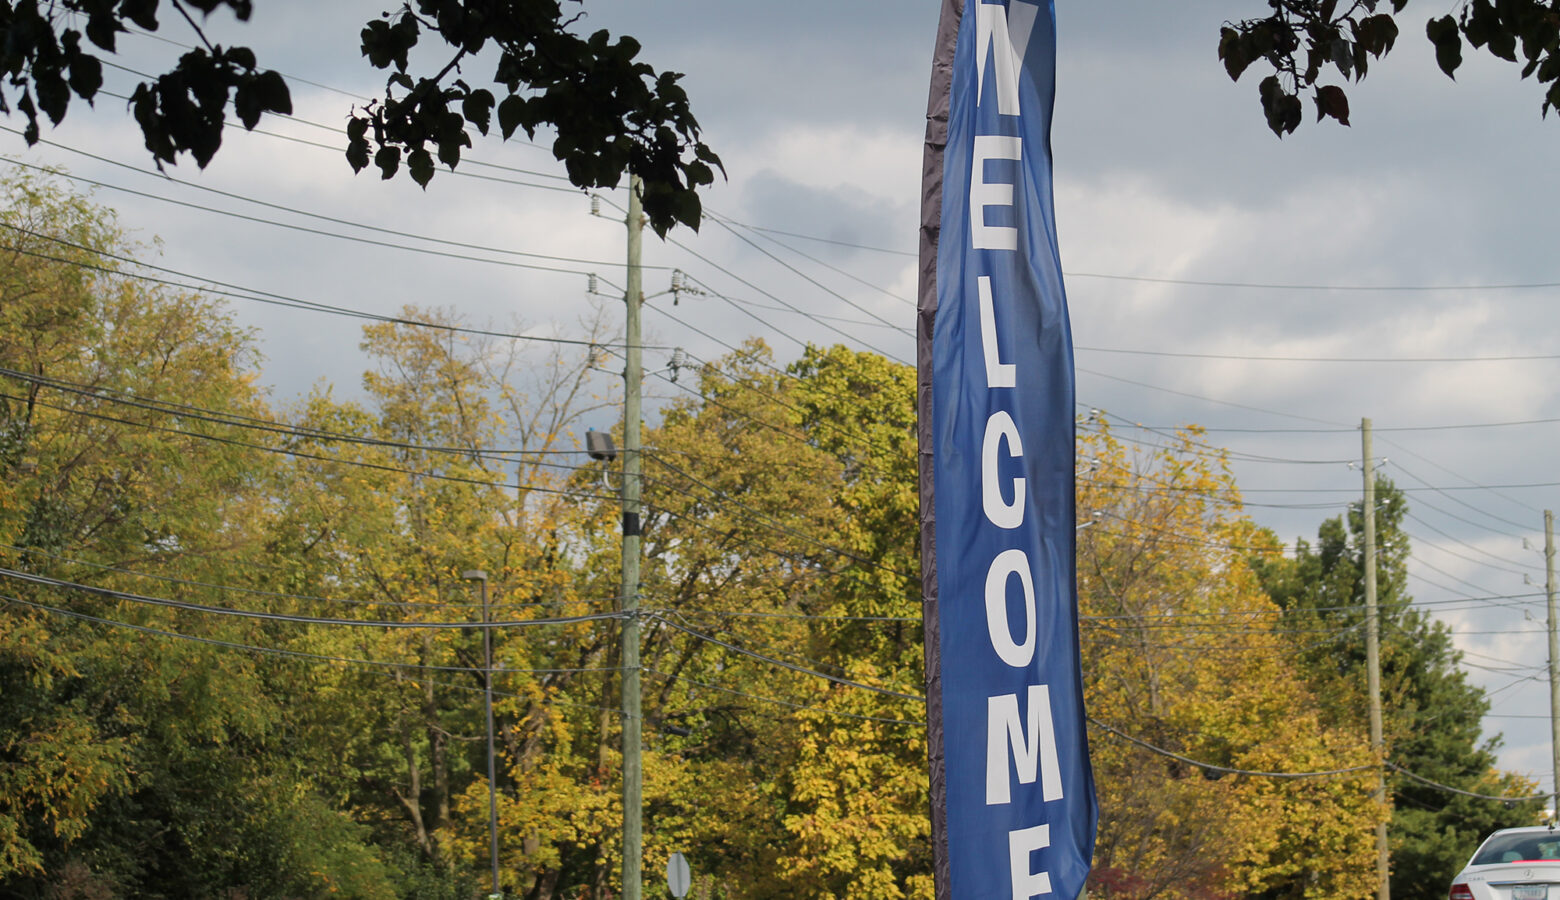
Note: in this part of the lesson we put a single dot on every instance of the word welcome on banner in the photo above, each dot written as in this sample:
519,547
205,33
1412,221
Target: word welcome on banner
1013,793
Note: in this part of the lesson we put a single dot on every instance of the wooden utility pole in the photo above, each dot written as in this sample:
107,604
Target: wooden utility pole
1554,651
1373,658
633,381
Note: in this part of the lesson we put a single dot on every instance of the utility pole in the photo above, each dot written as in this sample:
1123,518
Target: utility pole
1373,658
1554,651
633,378
487,703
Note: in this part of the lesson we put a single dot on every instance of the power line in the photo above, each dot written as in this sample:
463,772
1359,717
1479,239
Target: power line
299,454
279,651
186,606
1341,288
255,423
1162,389
239,292
1224,770
1321,359
279,595
281,208
801,707
320,232
783,664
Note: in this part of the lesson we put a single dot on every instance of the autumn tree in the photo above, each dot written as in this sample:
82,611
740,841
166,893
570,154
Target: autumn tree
448,464
1432,715
1185,664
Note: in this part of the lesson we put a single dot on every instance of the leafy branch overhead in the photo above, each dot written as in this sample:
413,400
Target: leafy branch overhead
1307,41
610,113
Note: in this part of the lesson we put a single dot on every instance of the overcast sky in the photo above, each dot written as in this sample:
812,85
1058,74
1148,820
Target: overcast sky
1389,240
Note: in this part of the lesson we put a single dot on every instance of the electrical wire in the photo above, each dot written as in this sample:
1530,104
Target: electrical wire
1322,359
800,707
299,454
279,651
255,423
109,593
304,598
782,664
316,231
1224,770
239,292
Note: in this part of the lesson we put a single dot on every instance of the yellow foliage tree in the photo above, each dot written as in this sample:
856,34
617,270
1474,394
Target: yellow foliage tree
1182,652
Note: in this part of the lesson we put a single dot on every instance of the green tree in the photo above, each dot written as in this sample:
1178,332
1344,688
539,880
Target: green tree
133,762
610,112
1431,713
1308,42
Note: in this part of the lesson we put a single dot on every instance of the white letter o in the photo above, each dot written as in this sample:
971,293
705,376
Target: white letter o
1010,562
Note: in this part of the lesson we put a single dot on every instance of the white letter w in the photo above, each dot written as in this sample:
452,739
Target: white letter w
1003,32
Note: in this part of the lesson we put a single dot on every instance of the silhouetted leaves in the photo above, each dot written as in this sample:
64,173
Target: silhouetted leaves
1330,101
1448,44
609,112
1301,40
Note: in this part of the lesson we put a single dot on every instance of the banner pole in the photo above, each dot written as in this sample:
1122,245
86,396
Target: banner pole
926,315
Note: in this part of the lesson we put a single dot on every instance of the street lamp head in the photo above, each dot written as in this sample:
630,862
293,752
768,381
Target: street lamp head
473,575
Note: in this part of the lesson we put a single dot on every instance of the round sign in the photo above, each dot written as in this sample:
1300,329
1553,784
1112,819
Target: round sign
677,875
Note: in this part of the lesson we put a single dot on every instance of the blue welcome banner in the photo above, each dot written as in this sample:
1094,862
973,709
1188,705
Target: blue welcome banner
1013,791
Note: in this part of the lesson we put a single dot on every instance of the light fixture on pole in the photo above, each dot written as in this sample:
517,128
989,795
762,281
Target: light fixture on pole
479,575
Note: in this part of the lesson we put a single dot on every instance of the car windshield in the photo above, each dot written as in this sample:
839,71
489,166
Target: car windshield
1505,848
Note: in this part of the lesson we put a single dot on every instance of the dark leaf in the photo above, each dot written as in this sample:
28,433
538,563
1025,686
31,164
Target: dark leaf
449,150
243,57
274,95
1281,108
86,76
478,109
102,29
1448,44
511,115
374,41
357,151
53,93
1376,34
1234,52
388,159
247,105
1331,101
141,12
420,164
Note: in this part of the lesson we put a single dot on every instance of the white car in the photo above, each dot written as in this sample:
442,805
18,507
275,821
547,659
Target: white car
1513,864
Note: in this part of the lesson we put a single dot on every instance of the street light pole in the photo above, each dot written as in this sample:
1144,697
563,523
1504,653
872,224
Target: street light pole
487,701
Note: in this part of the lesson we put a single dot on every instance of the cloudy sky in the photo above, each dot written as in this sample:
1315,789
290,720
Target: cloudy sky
1396,267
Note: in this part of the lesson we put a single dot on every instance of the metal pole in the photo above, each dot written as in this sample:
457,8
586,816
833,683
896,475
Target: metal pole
633,376
487,703
1554,652
1373,658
